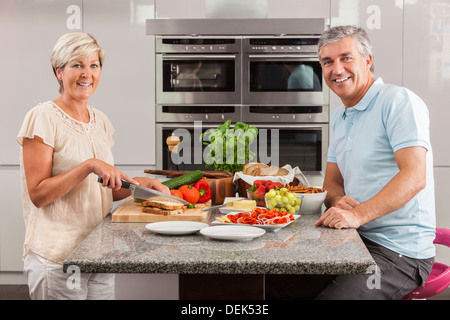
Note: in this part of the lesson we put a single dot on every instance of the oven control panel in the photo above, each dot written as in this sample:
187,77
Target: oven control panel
198,45
281,45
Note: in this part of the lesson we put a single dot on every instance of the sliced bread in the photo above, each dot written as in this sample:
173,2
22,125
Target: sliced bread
162,204
163,212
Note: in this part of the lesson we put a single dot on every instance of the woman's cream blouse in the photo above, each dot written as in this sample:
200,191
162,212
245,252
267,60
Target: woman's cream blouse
55,230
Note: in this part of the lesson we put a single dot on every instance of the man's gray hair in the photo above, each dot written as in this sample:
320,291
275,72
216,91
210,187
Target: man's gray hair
363,44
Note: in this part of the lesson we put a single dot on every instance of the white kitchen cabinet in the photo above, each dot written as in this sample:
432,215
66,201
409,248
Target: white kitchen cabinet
28,32
298,9
442,187
175,9
383,21
127,89
12,228
426,66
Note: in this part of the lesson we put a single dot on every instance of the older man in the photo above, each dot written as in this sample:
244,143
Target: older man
379,175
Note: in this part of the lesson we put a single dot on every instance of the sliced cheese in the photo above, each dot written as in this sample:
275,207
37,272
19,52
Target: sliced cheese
241,204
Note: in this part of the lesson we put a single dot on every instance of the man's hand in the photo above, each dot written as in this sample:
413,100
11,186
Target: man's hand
346,203
339,218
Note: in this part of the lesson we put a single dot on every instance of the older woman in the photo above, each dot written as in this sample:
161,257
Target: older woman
66,146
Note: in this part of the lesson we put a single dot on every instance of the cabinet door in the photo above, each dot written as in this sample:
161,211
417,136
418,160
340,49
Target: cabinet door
383,21
28,32
12,228
127,89
298,9
426,68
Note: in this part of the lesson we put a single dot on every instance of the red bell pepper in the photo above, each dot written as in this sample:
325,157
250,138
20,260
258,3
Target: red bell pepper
204,190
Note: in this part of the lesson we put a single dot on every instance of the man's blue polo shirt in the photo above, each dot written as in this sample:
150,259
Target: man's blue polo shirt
363,144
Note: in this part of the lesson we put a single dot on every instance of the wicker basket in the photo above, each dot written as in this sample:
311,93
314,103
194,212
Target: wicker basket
244,186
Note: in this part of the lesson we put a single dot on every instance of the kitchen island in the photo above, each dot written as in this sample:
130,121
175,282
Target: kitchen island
298,249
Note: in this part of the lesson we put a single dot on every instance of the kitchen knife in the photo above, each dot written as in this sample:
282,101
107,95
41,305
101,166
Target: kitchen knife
143,193
220,205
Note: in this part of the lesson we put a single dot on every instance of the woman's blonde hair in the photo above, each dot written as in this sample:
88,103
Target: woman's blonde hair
72,47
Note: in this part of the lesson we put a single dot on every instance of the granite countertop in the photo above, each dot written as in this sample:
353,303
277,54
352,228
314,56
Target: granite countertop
299,248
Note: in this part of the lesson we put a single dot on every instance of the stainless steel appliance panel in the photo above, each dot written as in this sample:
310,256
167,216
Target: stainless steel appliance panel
234,26
205,113
285,113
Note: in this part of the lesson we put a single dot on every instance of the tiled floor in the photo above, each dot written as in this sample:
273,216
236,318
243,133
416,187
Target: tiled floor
20,292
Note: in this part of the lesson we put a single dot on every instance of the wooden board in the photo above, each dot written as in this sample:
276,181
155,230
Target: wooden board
131,211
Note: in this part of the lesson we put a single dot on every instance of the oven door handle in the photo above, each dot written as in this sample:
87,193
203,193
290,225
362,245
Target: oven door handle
283,56
197,56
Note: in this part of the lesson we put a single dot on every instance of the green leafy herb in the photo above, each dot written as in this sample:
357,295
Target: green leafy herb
229,149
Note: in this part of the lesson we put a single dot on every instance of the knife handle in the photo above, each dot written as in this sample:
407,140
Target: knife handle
125,184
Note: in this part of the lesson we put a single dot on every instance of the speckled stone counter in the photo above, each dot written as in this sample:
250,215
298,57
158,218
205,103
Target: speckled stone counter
299,248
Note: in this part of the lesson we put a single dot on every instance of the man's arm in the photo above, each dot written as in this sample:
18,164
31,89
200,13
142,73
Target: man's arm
334,184
403,187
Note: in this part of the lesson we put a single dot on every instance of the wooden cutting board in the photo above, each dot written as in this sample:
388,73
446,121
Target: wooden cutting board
131,211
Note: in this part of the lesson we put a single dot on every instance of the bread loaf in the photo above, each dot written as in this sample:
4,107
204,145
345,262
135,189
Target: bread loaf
261,169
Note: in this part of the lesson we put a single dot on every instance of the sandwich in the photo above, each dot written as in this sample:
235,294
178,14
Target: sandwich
162,207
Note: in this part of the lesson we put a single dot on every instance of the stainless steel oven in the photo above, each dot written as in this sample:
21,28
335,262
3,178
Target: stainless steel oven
188,122
280,142
282,70
295,135
193,69
209,73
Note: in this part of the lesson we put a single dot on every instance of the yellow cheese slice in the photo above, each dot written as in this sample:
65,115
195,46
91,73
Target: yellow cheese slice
241,204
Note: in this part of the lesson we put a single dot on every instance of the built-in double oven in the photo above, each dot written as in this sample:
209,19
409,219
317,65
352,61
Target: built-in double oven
282,70
274,83
199,70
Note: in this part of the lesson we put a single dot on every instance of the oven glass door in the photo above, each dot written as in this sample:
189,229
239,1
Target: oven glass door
189,78
302,145
283,78
189,156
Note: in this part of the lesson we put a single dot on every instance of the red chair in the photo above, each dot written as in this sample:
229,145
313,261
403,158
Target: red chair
439,278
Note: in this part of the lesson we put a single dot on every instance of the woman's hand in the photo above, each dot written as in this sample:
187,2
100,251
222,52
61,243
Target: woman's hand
152,184
144,182
112,177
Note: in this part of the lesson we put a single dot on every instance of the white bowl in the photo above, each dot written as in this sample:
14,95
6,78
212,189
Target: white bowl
312,202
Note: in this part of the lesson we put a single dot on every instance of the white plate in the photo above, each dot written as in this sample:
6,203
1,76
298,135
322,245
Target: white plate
268,227
232,232
176,227
228,210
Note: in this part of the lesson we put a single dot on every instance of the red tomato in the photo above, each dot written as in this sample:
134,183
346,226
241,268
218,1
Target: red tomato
190,194
177,193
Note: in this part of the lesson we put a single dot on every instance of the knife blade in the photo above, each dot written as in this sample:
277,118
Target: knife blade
143,193
220,205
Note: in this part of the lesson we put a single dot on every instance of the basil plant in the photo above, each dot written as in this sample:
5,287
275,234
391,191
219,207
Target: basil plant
229,149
